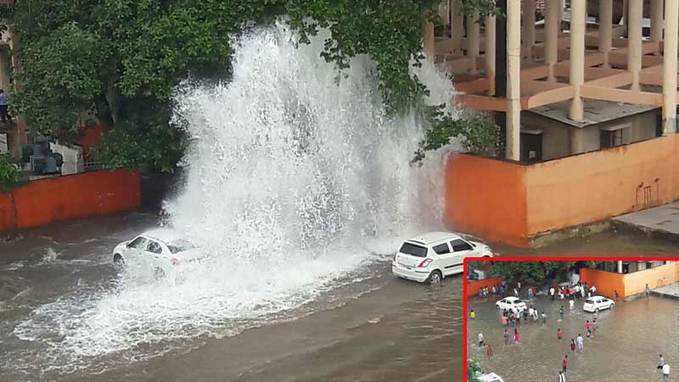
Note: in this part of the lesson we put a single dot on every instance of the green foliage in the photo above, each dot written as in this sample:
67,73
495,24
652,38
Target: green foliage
9,173
481,7
530,273
105,54
143,141
473,370
479,135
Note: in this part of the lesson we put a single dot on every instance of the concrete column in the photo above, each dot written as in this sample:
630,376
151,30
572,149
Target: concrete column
552,27
577,57
473,40
656,21
605,29
429,42
669,86
457,27
444,13
528,31
490,56
625,15
634,41
513,150
620,261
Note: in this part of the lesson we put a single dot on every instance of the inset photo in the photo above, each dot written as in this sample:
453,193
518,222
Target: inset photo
571,319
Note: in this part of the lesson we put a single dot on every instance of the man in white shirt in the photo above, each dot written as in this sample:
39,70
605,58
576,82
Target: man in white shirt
551,292
562,376
571,304
666,372
480,339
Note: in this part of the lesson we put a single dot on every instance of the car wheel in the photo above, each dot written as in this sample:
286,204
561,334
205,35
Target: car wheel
118,259
158,273
435,277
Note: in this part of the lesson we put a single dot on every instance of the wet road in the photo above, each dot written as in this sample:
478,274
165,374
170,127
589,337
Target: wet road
63,316
371,328
625,347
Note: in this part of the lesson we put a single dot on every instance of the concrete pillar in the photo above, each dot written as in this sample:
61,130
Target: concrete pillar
513,150
429,42
605,29
528,32
625,15
634,41
444,13
669,85
577,57
620,261
656,21
577,141
490,56
457,27
473,40
552,27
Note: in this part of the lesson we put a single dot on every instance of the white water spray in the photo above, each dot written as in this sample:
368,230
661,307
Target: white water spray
296,183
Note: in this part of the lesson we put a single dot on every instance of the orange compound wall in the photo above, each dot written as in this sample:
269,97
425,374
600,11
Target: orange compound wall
667,274
486,197
513,203
632,283
474,286
607,283
598,185
45,201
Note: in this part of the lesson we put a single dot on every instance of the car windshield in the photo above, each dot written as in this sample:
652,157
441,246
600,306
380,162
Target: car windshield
179,246
589,301
413,250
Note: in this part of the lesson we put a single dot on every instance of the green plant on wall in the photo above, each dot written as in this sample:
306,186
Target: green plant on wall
473,370
9,173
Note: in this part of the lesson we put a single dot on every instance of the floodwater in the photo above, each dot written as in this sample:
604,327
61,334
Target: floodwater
370,327
625,347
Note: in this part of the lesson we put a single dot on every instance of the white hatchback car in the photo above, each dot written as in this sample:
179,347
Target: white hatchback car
490,377
435,255
597,303
512,303
160,250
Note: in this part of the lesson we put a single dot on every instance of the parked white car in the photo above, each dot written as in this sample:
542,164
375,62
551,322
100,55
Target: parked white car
160,250
490,377
435,255
511,303
597,303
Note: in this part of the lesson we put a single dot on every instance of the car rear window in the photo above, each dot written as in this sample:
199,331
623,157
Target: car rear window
413,250
589,301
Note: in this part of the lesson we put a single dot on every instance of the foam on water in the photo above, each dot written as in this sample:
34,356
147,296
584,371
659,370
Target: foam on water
297,182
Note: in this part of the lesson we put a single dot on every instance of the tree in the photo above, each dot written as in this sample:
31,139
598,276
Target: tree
531,273
114,55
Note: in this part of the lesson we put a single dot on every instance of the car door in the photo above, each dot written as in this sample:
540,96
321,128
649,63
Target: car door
443,258
460,249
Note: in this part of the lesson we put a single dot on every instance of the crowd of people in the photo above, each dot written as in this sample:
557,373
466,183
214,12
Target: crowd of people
513,318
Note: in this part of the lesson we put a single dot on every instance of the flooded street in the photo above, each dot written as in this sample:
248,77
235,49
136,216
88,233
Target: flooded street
57,285
625,347
65,316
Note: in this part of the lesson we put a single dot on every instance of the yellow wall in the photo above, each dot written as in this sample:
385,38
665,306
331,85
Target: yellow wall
635,283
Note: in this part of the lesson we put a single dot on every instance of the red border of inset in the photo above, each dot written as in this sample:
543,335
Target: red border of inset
527,259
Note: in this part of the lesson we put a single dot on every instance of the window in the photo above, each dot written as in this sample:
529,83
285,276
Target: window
138,243
154,247
460,245
441,249
413,250
611,138
179,246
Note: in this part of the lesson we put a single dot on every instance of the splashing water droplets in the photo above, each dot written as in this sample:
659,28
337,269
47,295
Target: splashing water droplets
293,180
